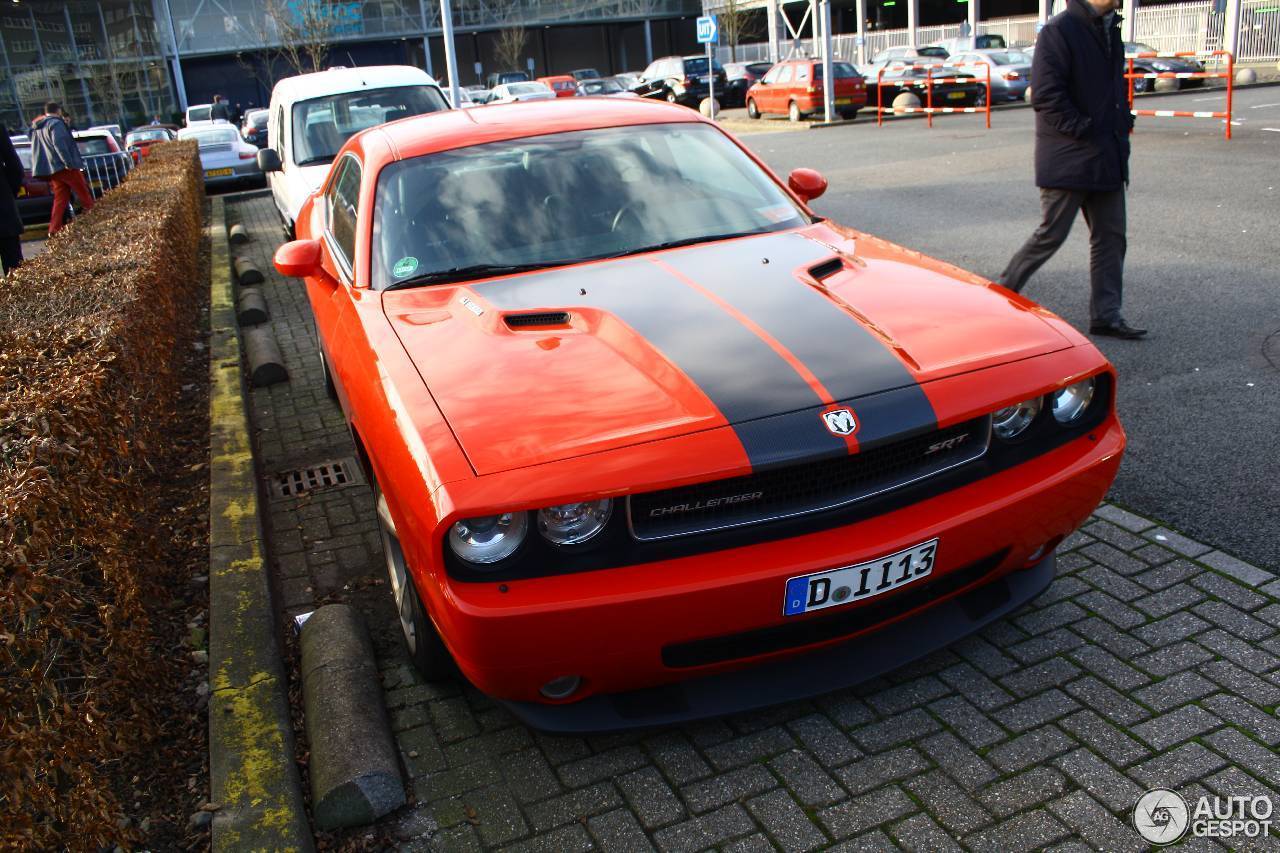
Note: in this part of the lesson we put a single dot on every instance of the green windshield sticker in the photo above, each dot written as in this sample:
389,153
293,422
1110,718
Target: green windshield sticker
404,267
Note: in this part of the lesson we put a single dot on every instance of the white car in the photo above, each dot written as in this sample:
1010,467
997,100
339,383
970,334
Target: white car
313,115
199,114
899,57
224,156
510,93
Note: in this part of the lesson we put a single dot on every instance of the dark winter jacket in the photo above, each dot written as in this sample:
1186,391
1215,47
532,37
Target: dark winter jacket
10,219
220,110
1080,98
53,148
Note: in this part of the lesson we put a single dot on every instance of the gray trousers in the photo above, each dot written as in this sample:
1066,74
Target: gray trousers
1104,214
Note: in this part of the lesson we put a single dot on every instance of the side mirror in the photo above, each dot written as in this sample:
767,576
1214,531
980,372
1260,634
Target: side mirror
806,183
269,160
298,259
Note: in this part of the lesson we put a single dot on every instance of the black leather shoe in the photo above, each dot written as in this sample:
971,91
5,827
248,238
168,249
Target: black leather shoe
1118,329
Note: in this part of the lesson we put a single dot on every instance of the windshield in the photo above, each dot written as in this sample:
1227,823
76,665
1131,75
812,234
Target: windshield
258,118
321,126
1139,47
146,136
698,65
199,113
600,87
842,70
24,154
205,137
1010,58
93,145
525,88
568,197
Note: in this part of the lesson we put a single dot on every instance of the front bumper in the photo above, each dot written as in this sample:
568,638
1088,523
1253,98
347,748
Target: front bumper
619,629
845,665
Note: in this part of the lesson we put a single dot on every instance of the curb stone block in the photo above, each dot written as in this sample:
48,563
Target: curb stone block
251,307
266,363
355,774
247,271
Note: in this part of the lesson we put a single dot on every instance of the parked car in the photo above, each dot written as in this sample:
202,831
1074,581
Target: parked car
628,79
312,115
224,156
197,113
497,78
964,44
967,92
562,84
680,80
897,57
254,128
509,93
625,472
795,89
1010,71
106,164
585,74
113,129
479,95
606,87
138,142
739,77
35,196
1157,65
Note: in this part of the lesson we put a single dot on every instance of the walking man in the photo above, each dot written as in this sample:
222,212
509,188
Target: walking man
56,158
220,110
1082,154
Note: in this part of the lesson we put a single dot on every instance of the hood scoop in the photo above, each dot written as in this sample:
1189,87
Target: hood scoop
537,319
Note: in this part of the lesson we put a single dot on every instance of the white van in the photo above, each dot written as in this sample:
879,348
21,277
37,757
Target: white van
313,115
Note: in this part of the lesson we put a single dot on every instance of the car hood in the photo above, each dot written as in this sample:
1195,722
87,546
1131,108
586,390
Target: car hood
564,362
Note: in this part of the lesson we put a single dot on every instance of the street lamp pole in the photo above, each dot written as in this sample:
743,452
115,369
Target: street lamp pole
450,56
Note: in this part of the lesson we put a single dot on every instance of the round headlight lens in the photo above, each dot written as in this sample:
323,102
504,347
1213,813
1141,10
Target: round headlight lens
488,538
1011,421
1070,403
573,524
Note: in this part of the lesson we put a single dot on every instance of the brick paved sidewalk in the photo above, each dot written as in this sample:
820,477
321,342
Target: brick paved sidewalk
1151,661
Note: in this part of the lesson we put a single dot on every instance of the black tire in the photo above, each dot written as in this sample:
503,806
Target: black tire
1143,84
427,651
848,115
289,232
329,388
793,112
671,97
752,110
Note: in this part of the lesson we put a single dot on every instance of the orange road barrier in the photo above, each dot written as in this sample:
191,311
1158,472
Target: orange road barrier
1229,74
929,109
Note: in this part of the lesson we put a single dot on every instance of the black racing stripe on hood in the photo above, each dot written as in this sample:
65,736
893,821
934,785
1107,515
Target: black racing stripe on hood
742,375
847,358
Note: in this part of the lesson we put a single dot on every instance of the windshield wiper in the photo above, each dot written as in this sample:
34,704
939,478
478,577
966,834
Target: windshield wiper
473,271
675,244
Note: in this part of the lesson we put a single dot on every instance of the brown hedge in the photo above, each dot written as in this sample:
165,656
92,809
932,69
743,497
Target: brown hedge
87,336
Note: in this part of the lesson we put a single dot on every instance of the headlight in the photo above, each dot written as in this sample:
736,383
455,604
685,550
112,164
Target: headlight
1070,403
573,524
1010,421
488,538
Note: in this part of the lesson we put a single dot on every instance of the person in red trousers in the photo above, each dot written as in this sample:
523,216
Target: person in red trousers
56,158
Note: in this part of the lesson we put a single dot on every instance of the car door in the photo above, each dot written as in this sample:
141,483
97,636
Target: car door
330,294
781,90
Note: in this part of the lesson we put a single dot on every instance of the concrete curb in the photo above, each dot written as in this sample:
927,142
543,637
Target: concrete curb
355,772
253,775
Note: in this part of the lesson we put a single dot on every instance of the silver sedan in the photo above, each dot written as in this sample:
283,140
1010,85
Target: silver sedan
1010,71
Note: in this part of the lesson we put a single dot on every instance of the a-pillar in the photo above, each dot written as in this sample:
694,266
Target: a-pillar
913,22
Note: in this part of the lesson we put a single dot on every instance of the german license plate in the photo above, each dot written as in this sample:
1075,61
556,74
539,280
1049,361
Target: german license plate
846,585
840,102
218,173
955,96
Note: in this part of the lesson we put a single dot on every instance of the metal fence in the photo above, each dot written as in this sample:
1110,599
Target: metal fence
1173,27
106,171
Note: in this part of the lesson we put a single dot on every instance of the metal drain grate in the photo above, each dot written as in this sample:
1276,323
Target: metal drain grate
327,475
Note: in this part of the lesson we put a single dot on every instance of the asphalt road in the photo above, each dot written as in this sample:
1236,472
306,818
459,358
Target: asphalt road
1201,396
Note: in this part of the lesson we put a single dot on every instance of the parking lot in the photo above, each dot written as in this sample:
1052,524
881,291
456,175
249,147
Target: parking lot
1153,660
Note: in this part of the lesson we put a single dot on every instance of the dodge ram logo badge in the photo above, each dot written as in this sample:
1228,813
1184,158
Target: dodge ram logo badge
840,421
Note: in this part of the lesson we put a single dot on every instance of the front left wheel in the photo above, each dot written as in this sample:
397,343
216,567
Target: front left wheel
752,110
421,640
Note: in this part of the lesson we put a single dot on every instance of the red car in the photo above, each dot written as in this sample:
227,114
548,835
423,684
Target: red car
138,142
564,85
651,440
795,89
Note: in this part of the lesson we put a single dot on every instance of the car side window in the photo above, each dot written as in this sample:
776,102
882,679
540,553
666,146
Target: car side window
771,76
802,73
784,76
341,201
280,132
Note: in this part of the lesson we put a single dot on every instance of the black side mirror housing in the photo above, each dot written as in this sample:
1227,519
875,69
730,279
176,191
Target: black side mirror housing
269,160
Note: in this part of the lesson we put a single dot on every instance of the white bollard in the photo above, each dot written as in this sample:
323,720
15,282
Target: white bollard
905,100
709,108
1246,76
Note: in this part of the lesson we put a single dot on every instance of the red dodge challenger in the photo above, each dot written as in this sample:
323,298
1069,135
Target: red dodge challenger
651,440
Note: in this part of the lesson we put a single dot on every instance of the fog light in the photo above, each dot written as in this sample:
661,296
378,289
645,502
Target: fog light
562,687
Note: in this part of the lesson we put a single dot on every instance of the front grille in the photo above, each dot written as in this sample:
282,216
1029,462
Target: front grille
806,632
805,488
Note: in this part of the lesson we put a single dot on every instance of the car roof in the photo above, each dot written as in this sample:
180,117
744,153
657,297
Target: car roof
335,81
446,130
